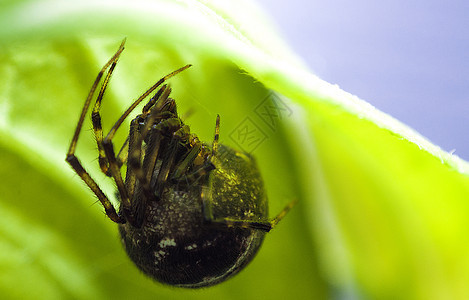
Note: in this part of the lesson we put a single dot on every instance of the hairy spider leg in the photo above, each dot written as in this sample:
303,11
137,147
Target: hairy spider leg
166,167
133,157
134,173
138,170
149,163
184,165
75,163
154,112
144,171
153,100
109,148
266,225
216,137
96,121
98,130
122,155
151,157
116,126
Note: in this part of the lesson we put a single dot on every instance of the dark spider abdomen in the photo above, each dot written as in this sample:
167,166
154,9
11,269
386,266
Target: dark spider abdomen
179,246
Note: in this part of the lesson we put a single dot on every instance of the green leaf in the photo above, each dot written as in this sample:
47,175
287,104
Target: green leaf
382,213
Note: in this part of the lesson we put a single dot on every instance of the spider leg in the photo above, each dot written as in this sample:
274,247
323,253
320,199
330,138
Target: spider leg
283,213
154,99
184,165
216,137
75,163
153,151
133,163
123,155
97,125
154,107
134,172
266,225
143,172
149,162
98,130
109,148
114,128
197,174
138,171
166,167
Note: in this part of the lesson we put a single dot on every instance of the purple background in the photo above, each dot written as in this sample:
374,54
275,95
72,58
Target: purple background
407,58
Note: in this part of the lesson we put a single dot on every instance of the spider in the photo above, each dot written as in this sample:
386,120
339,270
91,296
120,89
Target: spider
190,214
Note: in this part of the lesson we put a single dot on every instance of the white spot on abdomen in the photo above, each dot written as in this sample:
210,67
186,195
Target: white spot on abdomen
166,243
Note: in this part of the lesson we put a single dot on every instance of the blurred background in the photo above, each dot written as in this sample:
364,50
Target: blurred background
375,229
407,58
